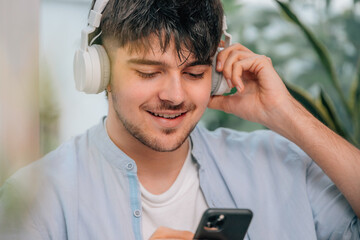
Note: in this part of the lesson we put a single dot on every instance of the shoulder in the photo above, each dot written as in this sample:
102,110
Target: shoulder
59,162
46,188
261,149
221,134
64,160
55,172
233,140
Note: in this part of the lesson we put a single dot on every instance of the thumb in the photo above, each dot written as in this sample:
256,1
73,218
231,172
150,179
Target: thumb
218,103
168,233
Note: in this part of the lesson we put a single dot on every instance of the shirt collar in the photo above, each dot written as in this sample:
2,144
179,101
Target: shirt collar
110,151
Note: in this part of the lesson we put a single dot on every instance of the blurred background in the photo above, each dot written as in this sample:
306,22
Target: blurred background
314,45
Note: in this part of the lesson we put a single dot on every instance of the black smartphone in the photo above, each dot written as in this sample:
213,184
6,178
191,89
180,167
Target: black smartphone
224,224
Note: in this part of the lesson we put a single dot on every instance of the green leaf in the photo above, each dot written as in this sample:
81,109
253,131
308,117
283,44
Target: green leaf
328,2
339,128
355,102
306,100
320,49
329,106
355,89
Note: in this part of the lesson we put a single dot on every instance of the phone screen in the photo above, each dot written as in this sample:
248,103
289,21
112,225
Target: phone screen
224,224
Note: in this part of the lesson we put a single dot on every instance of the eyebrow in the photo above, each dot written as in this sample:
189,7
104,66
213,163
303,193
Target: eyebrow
198,62
141,61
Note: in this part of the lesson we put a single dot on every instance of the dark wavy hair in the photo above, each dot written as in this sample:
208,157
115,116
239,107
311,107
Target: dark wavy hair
194,25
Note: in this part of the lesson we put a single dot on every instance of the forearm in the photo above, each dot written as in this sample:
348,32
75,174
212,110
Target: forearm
262,97
338,159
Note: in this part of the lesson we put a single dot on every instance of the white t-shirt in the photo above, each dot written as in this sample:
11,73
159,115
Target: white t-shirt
180,207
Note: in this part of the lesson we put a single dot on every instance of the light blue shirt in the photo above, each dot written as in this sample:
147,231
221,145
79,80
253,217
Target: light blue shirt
88,189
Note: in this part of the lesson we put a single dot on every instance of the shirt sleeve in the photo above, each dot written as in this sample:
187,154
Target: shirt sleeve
333,215
15,220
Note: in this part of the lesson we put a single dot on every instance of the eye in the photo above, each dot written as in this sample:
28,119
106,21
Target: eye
146,75
195,76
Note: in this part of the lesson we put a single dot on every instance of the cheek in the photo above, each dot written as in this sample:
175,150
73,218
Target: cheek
130,97
204,101
200,94
203,90
128,90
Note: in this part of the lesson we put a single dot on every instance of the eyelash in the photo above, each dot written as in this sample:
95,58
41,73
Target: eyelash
151,75
196,76
146,75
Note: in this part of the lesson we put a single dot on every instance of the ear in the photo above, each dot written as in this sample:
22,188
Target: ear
222,44
108,88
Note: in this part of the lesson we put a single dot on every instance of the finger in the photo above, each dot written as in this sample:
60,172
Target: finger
255,64
216,102
237,73
258,65
219,103
222,56
168,233
238,46
230,66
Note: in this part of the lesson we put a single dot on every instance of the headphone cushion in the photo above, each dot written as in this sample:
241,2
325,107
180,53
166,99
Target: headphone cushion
92,69
219,85
104,67
216,77
82,70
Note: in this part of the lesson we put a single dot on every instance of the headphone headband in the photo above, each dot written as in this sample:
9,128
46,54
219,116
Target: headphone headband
100,5
91,63
96,14
227,35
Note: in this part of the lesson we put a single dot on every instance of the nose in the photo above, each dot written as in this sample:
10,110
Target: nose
173,90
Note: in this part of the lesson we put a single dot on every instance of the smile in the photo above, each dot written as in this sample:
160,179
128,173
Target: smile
166,115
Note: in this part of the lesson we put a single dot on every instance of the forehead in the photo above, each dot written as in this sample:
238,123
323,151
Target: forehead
153,48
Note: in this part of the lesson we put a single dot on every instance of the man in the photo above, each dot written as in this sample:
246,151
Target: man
147,171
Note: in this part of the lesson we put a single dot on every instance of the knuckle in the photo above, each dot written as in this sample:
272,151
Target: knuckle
226,75
237,65
265,58
233,54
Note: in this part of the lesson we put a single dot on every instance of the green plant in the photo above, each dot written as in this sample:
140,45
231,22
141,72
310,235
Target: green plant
336,109
321,71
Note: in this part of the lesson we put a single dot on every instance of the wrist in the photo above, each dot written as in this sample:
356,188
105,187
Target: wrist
289,118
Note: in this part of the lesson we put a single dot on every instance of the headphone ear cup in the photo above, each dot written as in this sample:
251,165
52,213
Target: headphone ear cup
104,67
91,69
219,85
216,79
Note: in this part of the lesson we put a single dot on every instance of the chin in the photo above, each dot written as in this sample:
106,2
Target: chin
167,142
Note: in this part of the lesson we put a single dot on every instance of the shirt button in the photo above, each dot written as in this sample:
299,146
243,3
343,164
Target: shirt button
129,166
137,213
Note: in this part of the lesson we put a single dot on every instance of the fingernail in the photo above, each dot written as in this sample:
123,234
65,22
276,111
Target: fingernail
238,88
218,66
228,82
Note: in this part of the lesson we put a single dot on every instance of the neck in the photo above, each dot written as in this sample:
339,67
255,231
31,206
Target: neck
156,170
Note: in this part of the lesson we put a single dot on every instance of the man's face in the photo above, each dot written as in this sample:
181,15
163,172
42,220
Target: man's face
156,98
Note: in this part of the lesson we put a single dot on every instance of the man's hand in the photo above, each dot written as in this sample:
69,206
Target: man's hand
168,233
260,93
262,97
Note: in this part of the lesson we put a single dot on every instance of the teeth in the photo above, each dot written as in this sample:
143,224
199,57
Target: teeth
169,116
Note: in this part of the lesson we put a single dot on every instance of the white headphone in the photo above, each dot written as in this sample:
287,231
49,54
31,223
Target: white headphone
219,85
92,65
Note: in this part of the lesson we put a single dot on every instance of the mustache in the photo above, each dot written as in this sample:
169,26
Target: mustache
165,105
